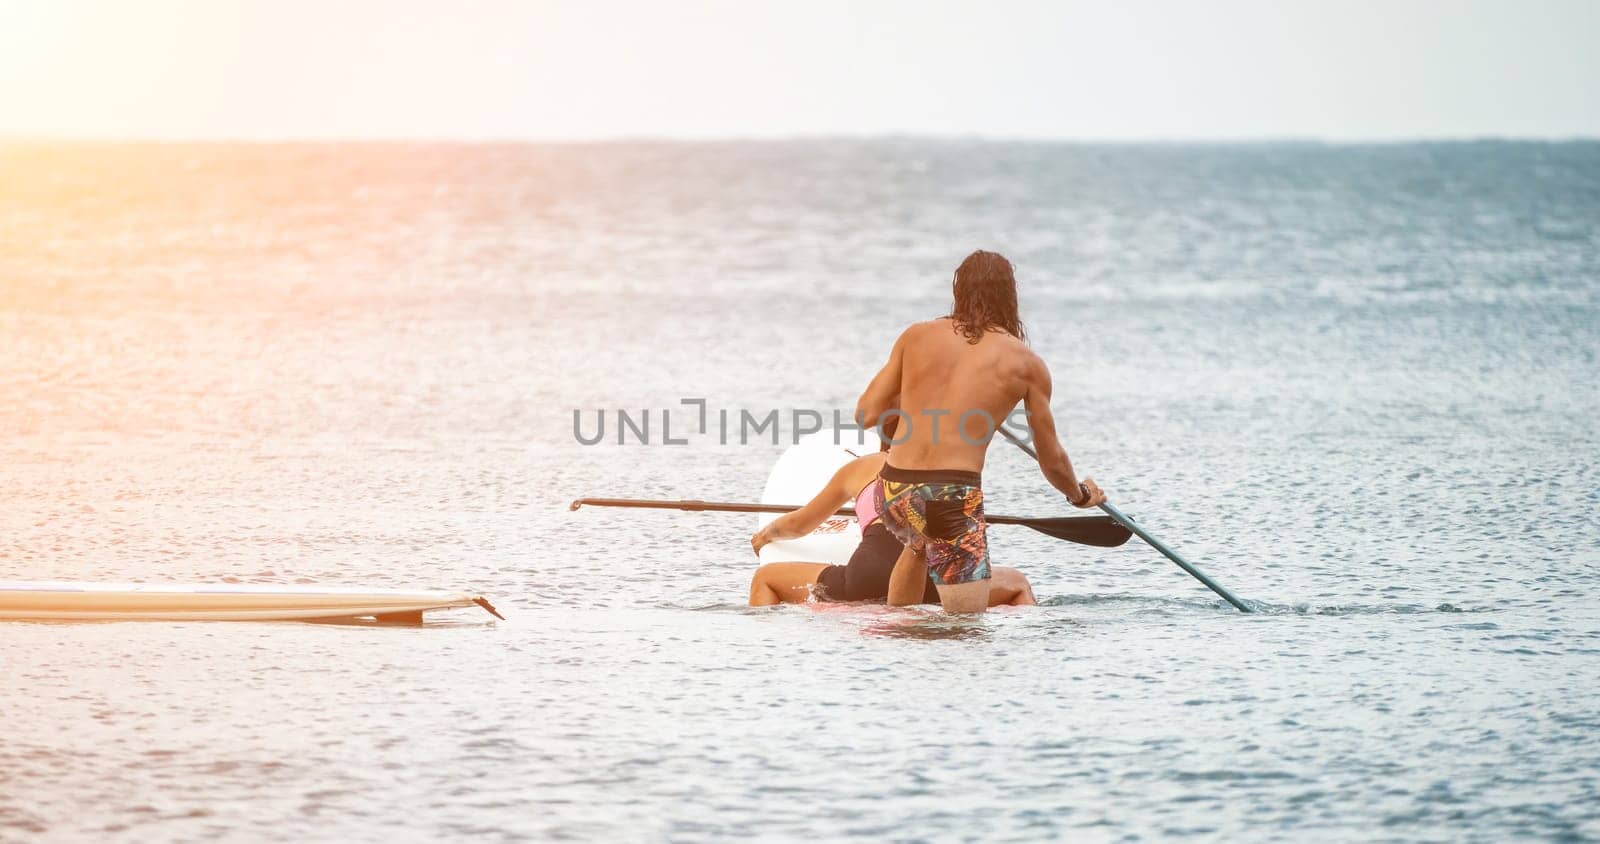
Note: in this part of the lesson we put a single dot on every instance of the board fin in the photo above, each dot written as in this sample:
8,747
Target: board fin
484,602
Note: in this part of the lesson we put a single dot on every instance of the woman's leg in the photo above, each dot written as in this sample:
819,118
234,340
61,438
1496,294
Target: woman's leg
783,583
1009,586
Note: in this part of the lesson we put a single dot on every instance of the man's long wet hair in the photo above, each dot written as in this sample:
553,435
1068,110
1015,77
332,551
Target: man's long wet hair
985,289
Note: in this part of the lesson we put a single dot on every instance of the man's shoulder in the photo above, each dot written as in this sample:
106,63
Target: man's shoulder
1018,353
1010,345
927,328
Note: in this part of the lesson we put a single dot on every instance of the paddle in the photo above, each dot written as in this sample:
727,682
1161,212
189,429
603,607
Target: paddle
1101,531
1131,525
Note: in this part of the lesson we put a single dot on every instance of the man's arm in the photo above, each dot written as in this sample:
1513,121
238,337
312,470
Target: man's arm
883,394
1053,460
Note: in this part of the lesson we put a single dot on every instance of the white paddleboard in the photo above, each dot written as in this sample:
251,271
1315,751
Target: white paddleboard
74,601
801,473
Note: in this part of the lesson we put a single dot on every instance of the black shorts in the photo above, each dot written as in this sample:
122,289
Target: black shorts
866,577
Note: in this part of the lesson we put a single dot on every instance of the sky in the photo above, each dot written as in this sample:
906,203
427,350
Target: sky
605,69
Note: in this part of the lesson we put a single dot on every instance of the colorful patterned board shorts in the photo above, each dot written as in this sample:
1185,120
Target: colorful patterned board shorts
940,513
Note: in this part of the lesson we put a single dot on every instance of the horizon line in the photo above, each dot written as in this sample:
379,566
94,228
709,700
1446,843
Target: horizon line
8,138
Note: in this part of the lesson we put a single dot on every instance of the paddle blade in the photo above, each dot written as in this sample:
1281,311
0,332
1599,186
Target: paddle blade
1102,532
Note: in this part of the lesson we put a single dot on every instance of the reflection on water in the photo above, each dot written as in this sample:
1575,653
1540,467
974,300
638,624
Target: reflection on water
931,626
1353,384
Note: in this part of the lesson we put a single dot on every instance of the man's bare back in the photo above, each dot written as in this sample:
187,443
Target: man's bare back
953,392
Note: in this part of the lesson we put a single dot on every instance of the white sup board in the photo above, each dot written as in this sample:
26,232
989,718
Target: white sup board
800,474
74,601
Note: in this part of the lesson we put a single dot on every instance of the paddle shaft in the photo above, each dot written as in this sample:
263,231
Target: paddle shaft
697,506
1130,524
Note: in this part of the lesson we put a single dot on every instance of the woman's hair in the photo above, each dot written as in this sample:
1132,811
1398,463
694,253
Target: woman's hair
985,291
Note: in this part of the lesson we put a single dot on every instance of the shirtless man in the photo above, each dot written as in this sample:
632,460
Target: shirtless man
947,383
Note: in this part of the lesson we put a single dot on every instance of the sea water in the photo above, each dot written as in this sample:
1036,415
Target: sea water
1355,384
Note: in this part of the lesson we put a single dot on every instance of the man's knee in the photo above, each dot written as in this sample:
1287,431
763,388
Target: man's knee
965,597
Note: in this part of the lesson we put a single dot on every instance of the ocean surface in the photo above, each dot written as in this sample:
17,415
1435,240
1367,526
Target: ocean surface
1356,384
